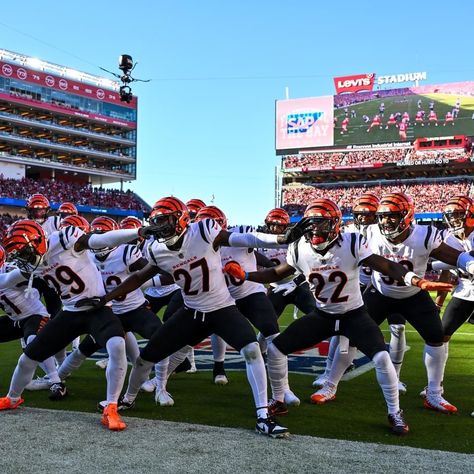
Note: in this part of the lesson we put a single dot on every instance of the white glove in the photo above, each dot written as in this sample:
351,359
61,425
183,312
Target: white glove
286,288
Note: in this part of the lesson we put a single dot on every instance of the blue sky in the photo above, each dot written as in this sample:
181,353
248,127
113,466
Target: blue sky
206,121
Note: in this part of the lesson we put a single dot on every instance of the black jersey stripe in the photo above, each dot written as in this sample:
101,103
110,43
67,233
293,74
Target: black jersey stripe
353,243
428,235
202,231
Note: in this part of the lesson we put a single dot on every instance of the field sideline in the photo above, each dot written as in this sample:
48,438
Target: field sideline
358,413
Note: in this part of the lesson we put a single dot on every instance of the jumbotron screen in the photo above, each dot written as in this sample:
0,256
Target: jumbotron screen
376,117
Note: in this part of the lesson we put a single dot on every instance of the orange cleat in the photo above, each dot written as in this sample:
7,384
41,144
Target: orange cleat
435,401
325,394
111,419
6,403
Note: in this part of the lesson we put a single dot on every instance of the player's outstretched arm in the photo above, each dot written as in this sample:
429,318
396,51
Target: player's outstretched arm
400,273
269,275
10,279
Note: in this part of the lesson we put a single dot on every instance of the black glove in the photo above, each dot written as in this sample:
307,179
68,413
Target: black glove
297,231
91,304
148,231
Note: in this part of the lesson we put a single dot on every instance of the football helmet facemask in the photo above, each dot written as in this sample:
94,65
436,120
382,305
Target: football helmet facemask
194,205
25,244
364,211
326,218
395,214
170,217
459,214
100,225
37,208
276,221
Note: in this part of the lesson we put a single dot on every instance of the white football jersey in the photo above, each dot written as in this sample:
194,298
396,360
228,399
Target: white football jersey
413,253
16,305
156,291
333,277
196,267
245,257
365,275
73,274
114,270
51,224
465,287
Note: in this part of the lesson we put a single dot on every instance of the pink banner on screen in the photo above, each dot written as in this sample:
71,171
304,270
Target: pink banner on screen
303,123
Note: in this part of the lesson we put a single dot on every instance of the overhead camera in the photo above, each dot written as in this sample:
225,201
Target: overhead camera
126,65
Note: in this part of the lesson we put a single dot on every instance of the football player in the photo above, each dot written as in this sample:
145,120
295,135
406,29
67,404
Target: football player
330,261
63,260
398,238
188,254
67,209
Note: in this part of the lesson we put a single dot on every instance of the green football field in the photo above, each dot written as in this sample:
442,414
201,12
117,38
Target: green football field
358,413
357,129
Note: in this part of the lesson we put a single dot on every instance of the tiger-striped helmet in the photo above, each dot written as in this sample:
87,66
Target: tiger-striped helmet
170,217
395,214
364,211
276,221
37,208
103,224
131,222
212,212
76,221
326,218
25,243
67,209
459,213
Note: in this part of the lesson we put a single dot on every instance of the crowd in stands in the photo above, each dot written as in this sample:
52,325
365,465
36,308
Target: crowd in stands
345,100
428,197
5,220
79,194
325,159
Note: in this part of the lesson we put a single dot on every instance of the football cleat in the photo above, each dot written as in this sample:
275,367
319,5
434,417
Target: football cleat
111,419
276,408
325,394
57,391
221,379
102,363
402,388
192,370
148,386
164,398
398,423
40,383
270,427
435,401
291,399
320,381
6,403
423,392
123,404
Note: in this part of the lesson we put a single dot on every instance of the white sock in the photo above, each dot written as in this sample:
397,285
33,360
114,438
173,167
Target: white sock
161,374
22,375
218,348
73,361
140,372
277,364
256,376
116,368
333,344
60,356
398,344
435,361
341,361
48,365
388,380
176,358
190,356
131,347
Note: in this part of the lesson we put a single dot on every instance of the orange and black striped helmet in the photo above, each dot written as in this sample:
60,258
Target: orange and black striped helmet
76,221
3,256
170,216
212,212
277,216
131,222
364,210
326,218
459,213
25,243
395,204
194,205
67,209
37,207
103,224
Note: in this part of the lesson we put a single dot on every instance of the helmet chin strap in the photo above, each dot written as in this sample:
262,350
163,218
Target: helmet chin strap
172,240
320,243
